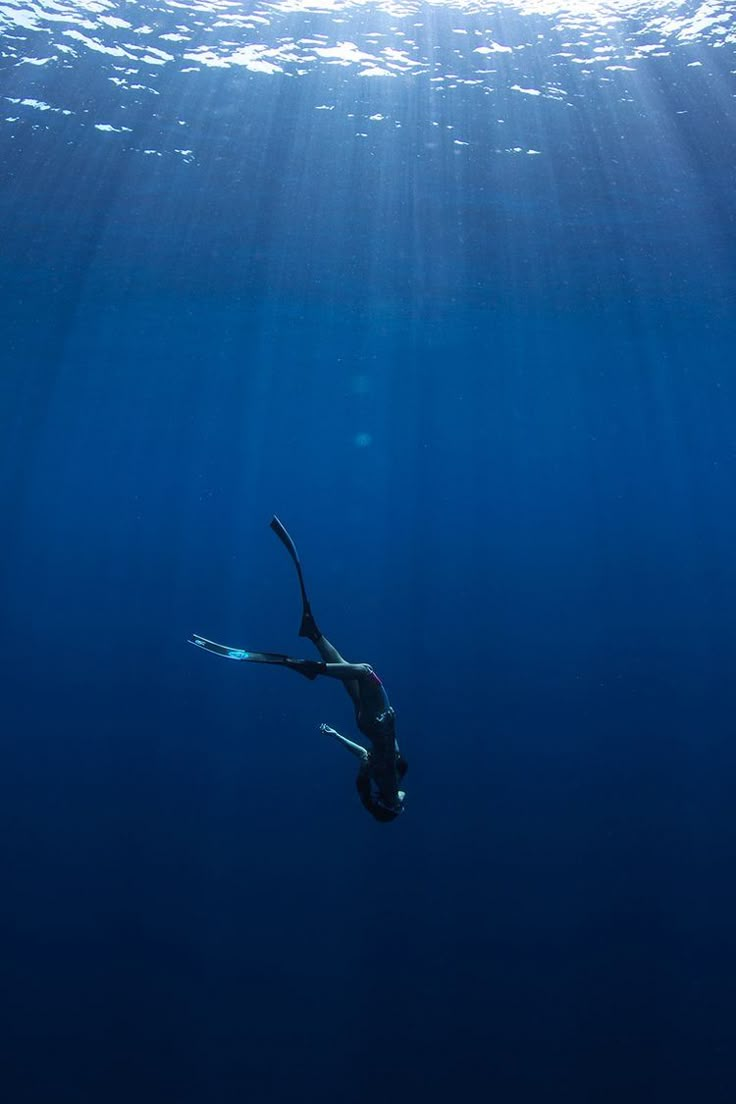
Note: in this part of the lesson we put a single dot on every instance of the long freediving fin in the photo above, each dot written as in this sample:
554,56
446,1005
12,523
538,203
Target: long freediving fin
308,625
310,668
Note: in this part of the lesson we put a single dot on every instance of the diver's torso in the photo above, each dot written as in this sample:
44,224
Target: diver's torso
384,757
377,722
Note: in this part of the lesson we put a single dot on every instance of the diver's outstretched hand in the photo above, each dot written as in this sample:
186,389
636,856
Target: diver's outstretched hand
353,748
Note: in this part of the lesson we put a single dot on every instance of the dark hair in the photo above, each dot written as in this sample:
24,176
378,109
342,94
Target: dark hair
384,815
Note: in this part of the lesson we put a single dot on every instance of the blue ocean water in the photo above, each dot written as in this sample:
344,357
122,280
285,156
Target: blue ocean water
450,289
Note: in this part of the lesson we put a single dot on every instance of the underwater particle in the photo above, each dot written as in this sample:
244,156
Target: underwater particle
362,440
361,385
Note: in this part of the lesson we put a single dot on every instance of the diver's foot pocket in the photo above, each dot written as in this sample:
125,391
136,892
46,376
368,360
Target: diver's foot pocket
310,668
308,627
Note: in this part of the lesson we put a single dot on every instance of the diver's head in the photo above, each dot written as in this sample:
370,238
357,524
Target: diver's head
389,810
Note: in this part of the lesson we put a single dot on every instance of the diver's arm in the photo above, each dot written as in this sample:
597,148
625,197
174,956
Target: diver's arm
356,749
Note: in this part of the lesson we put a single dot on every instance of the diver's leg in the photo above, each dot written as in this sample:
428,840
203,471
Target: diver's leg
332,658
349,672
367,691
328,651
308,627
361,682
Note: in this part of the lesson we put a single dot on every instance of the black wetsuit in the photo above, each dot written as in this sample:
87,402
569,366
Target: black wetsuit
379,779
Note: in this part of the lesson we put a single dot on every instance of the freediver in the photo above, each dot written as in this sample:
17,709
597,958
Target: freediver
382,767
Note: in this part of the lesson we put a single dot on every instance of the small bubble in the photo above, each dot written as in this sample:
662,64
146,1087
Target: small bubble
362,440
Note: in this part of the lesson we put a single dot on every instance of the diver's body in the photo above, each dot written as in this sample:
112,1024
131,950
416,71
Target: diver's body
382,767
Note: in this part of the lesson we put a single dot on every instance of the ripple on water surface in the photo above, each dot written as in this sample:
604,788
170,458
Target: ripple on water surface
130,71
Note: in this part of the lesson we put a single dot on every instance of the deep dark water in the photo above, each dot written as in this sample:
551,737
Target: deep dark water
493,399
